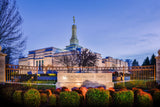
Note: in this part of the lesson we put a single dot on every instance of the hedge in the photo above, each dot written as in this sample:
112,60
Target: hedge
44,98
7,93
32,98
67,99
17,97
156,98
144,99
96,97
52,100
123,98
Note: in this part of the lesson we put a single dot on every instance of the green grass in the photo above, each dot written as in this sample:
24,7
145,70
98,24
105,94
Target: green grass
143,84
40,82
37,85
45,82
43,86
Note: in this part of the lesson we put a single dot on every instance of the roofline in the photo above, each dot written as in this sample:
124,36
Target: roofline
42,48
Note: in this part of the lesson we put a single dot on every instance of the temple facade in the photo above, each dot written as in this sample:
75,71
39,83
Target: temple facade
47,56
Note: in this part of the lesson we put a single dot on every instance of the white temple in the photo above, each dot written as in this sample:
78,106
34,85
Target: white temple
46,56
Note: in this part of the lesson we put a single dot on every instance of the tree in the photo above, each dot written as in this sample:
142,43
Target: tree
87,58
11,37
67,60
153,60
135,63
146,62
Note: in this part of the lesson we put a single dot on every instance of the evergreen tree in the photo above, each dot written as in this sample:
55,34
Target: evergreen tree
10,32
153,60
135,63
146,62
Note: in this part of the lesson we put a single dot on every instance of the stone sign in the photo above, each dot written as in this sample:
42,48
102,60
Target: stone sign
71,80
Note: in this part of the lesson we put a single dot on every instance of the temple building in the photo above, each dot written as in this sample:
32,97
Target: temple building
46,56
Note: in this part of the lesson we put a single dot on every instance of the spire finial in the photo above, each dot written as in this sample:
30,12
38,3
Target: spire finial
73,20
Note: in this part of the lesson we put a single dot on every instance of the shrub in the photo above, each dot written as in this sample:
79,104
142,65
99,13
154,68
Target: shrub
151,84
7,93
96,97
57,91
78,90
52,90
136,90
52,100
68,99
156,98
101,88
44,98
144,99
48,91
153,90
83,91
65,89
17,97
123,98
32,98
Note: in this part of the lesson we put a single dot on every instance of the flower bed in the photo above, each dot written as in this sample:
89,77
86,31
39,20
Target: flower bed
80,96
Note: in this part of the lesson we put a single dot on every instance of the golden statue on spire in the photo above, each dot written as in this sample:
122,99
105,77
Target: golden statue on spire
73,20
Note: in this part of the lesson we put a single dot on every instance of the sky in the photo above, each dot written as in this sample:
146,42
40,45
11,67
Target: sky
123,29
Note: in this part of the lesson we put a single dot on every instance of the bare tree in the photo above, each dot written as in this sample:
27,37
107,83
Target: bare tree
67,61
87,58
10,32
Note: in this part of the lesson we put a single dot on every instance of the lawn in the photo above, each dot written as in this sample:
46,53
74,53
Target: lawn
143,84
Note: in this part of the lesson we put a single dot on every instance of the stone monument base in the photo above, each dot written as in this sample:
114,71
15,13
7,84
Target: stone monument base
71,80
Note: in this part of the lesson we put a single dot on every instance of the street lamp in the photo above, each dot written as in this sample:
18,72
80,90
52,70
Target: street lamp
79,49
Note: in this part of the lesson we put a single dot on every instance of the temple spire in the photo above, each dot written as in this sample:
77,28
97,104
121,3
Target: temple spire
73,20
74,43
74,39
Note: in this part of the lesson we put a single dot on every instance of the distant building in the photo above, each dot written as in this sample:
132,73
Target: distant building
111,62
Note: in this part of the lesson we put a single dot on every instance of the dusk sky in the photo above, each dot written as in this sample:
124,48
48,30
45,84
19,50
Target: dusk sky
118,28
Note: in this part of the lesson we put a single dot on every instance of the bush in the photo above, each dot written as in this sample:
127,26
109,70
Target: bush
32,98
64,89
44,98
156,98
136,90
57,91
144,99
68,99
17,97
96,97
153,90
7,93
151,84
83,90
48,91
123,98
52,100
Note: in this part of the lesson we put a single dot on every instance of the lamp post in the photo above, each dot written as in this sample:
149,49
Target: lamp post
79,49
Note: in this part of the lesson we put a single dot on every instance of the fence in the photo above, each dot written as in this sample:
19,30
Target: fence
143,72
22,72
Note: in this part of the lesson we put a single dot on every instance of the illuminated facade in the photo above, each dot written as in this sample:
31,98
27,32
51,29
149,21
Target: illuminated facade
46,56
111,62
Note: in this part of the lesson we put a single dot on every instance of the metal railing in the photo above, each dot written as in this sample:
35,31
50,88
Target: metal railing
13,72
